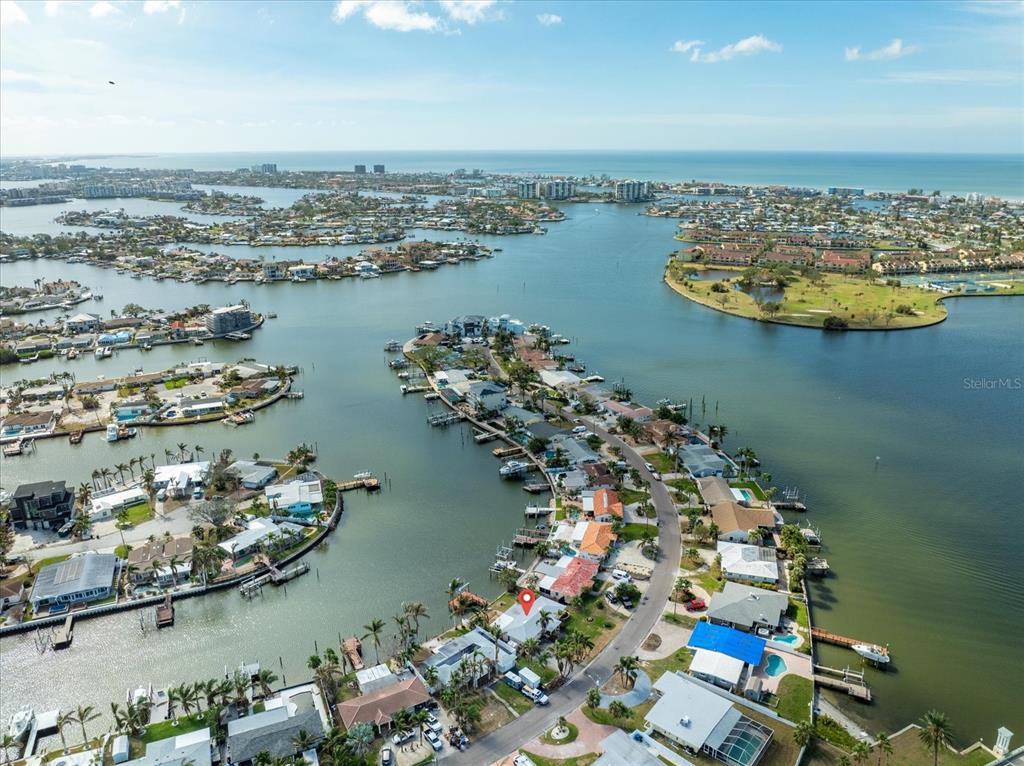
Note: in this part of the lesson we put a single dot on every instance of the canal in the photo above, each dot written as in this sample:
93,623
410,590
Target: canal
909,459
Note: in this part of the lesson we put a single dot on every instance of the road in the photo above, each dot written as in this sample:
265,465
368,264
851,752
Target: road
500,743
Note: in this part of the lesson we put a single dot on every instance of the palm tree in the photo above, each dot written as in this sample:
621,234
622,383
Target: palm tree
593,697
198,450
131,466
106,474
303,741
884,747
804,733
419,718
189,698
416,611
360,737
84,714
84,494
544,618
682,585
264,679
454,588
935,732
430,676
627,667
376,630
121,468
181,451
63,719
860,752
529,648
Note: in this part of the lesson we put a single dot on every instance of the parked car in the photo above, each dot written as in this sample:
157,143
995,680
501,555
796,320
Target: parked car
161,494
65,530
612,598
434,740
197,493
621,575
386,757
403,736
579,430
656,476
433,724
523,760
627,604
539,697
695,604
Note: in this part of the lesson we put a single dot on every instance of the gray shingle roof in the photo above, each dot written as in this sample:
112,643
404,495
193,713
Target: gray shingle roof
275,737
745,605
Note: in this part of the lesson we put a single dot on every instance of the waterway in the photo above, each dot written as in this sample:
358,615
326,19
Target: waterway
905,443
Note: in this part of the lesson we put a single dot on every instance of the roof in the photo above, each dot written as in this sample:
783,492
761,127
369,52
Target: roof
286,495
193,748
597,538
90,571
620,750
29,418
687,711
378,707
519,626
731,517
728,641
272,731
39,489
715,490
162,549
606,501
751,561
123,497
577,576
709,663
377,677
744,605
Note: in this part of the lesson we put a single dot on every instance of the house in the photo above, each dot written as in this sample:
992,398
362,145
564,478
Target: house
749,562
603,505
299,497
586,539
747,608
302,271
252,475
724,640
714,490
577,452
517,626
105,504
599,475
274,730
467,326
12,593
78,580
717,668
700,460
259,532
191,408
734,521
632,411
378,707
619,749
81,323
42,505
487,395
377,677
28,424
151,561
454,653
702,721
560,379
566,579
178,479
194,747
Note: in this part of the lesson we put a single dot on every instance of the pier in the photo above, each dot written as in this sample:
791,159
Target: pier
504,452
482,437
536,511
370,484
850,682
466,598
165,613
414,389
354,651
833,638
252,587
63,636
445,418
527,537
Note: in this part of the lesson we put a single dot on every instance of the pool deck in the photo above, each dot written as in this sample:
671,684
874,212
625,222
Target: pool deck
797,664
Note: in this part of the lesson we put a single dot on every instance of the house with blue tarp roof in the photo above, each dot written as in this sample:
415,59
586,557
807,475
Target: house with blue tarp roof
728,641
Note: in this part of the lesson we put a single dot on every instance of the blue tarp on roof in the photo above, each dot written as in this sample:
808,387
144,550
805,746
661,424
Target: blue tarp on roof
728,641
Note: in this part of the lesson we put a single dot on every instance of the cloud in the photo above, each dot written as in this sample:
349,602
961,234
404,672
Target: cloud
160,6
748,46
684,46
953,77
52,7
996,7
894,50
398,15
470,11
549,19
12,14
102,9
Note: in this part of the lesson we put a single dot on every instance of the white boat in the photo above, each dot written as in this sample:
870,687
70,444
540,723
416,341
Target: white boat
112,435
104,352
872,652
20,723
513,469
363,475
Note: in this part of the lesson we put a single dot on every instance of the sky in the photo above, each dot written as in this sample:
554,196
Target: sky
491,74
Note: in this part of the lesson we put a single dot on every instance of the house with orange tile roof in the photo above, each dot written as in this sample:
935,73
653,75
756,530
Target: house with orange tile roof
379,707
566,579
603,505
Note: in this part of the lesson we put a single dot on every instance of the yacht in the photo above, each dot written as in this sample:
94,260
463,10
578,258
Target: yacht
513,469
363,475
103,352
872,652
20,723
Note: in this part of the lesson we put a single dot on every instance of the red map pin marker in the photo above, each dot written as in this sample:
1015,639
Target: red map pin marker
526,599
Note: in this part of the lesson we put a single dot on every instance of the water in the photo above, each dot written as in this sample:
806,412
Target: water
997,174
925,541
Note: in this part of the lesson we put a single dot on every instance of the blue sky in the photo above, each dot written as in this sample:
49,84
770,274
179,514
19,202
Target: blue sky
206,76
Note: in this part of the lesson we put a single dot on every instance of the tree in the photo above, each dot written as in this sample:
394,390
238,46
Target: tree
265,679
935,732
682,585
216,512
303,741
360,737
375,630
83,715
617,709
593,697
63,719
454,588
416,611
804,733
81,525
884,747
508,577
861,751
6,743
627,668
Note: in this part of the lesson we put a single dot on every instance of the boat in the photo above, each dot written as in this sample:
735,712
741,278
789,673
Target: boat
239,418
197,341
271,315
513,469
111,434
73,353
103,352
392,345
17,448
20,723
363,475
872,652
75,437
27,359
117,432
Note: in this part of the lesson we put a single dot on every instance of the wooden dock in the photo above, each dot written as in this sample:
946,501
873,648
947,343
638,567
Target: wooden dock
62,636
482,437
371,484
165,613
790,505
527,537
354,651
536,511
504,452
833,638
850,682
468,598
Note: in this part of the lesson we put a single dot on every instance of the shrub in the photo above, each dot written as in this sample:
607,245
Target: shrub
835,323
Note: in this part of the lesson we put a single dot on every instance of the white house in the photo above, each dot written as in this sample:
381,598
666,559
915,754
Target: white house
749,562
105,504
517,626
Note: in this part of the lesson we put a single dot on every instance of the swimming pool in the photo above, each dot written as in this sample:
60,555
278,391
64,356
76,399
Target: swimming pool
742,495
775,666
789,638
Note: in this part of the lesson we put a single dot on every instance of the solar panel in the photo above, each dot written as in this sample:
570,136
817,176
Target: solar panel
69,570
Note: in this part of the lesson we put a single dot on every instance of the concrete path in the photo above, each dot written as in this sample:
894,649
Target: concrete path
639,693
658,750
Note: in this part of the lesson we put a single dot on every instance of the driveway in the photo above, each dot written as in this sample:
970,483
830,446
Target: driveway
572,694
639,693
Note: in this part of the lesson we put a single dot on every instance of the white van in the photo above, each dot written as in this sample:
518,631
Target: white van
621,575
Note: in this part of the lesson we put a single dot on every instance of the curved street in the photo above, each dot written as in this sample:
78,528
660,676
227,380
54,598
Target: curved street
573,693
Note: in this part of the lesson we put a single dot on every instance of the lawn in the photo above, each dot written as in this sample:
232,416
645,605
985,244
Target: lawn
165,729
546,672
908,750
50,560
579,760
630,496
512,698
139,513
708,582
574,732
752,485
682,484
681,618
635,531
798,611
679,661
635,719
662,462
862,302
794,698
593,619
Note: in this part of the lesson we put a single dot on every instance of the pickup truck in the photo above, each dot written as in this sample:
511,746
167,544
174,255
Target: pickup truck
539,697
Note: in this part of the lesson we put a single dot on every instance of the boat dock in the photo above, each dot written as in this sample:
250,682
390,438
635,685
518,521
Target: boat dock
790,505
370,484
411,389
833,638
445,418
251,587
62,636
527,537
817,566
354,651
504,452
43,724
536,488
482,437
848,681
468,598
536,511
165,613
